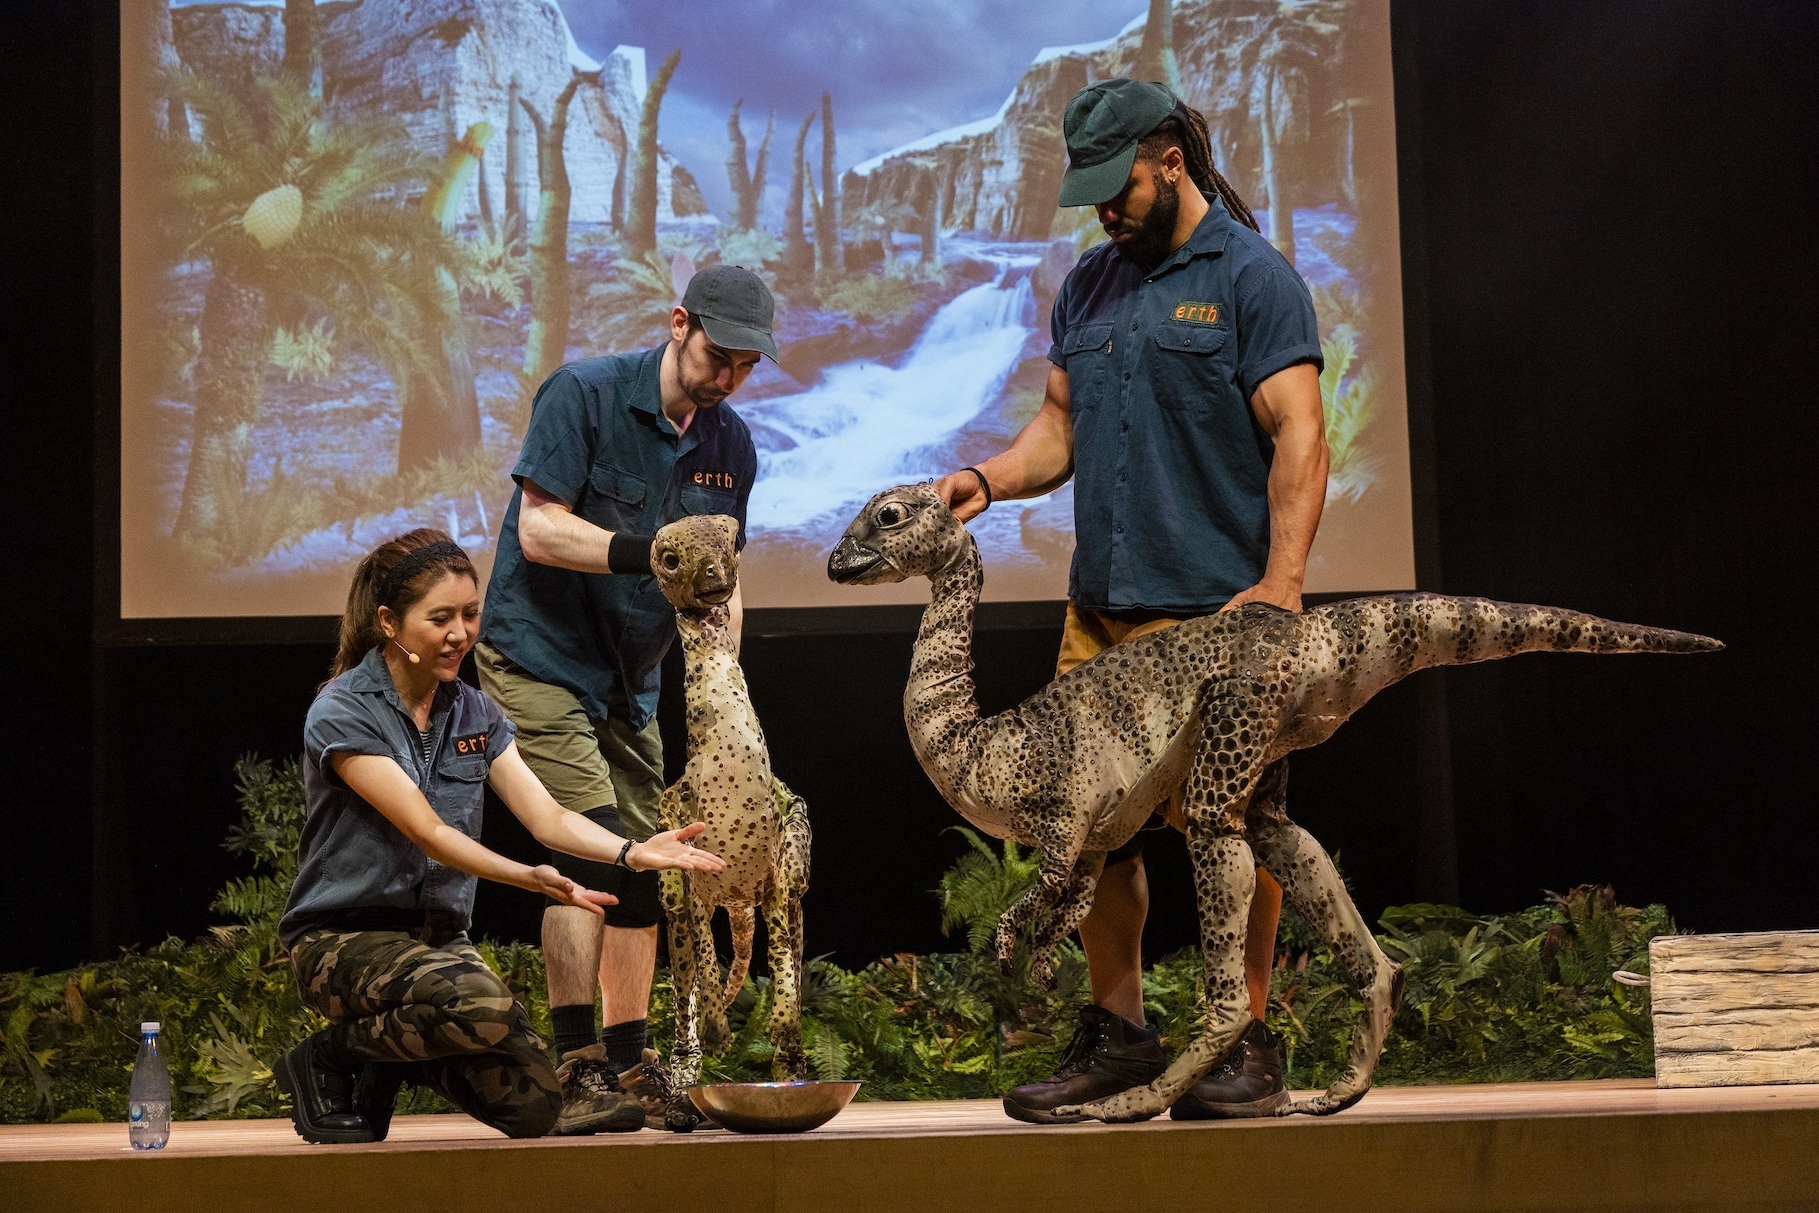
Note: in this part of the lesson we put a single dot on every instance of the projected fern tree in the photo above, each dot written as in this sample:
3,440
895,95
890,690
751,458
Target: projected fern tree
289,213
798,253
747,183
546,345
641,223
1290,40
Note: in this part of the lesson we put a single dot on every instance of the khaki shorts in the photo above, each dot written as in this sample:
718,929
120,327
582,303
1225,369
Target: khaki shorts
1085,635
585,762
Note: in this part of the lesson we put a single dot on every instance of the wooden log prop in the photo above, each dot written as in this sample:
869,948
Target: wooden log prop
1736,1010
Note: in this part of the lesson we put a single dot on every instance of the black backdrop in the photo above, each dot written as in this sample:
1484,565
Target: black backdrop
1610,296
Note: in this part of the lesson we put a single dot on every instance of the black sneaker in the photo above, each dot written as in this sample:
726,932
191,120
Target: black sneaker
591,1099
321,1095
1246,1082
1108,1054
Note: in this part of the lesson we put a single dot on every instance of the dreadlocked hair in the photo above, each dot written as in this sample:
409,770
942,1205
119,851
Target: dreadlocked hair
1185,128
360,632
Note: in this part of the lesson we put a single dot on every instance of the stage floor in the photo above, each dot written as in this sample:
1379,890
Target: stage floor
1591,1145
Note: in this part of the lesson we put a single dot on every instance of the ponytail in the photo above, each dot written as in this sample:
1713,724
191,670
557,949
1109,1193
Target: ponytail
371,589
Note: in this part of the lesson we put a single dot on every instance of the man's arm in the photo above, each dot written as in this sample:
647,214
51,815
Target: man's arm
1287,405
550,533
1039,459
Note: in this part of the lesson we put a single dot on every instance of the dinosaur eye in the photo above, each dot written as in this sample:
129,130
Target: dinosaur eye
671,561
891,515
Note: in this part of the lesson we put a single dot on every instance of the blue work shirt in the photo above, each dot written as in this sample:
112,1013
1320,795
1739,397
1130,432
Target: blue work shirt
350,857
599,443
1171,468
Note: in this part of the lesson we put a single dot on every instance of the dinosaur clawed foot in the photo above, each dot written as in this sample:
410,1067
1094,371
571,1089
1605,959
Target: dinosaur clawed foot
680,1115
1324,1104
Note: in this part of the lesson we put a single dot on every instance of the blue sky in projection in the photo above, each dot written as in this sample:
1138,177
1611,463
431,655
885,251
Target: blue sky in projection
898,69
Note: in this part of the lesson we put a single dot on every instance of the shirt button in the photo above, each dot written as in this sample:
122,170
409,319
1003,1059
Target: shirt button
1121,528
1133,326
1124,425
1127,376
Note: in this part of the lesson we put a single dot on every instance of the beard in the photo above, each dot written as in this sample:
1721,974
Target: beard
1152,236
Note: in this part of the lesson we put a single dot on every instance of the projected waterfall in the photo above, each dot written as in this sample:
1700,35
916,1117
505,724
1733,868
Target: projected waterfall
868,425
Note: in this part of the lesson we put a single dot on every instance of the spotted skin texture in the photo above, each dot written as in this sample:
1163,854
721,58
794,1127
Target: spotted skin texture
755,823
1209,707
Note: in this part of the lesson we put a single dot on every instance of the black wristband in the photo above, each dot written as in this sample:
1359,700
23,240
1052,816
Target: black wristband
623,852
983,484
629,553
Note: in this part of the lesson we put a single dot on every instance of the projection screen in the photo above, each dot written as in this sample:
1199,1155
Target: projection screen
357,234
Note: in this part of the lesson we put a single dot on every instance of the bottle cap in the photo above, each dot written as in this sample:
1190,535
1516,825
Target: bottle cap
150,1025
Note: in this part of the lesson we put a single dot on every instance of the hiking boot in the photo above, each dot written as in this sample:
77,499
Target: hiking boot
664,1106
591,1099
321,1095
1246,1082
376,1094
1108,1054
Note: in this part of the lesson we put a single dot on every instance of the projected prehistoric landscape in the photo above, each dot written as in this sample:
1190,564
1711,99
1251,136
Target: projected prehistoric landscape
359,233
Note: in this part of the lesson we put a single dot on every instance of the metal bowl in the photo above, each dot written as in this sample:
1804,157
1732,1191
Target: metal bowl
772,1107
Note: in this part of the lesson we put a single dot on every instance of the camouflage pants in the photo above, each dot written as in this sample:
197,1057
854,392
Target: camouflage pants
439,1011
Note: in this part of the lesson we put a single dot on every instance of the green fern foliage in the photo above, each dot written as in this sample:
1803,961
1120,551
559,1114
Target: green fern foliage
1489,997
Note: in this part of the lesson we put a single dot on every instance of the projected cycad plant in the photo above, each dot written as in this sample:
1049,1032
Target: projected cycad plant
291,215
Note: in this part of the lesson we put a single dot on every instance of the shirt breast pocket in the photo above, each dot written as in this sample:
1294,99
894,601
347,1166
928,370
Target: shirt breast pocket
460,780
1193,366
616,498
1088,351
699,500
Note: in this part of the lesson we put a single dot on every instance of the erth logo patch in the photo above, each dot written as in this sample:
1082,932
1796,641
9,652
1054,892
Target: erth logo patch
474,744
716,480
1197,313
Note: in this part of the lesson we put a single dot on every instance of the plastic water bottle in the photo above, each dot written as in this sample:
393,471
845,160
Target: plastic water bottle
148,1113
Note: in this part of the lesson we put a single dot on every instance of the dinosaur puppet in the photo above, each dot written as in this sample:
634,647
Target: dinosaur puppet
1206,707
753,822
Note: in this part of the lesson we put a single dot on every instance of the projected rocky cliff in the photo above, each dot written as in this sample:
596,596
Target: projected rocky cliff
357,234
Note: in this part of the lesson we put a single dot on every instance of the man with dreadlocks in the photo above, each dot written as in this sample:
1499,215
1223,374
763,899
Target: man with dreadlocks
1184,399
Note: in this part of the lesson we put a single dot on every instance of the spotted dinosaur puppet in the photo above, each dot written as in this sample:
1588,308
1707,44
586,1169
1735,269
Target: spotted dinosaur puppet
755,823
1206,707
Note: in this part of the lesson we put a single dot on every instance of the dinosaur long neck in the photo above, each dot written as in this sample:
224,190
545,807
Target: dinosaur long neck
718,705
939,705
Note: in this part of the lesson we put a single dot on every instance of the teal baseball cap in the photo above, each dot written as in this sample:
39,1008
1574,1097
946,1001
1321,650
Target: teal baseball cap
1103,125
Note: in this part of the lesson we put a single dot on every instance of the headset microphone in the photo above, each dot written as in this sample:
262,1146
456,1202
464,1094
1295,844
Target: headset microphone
415,660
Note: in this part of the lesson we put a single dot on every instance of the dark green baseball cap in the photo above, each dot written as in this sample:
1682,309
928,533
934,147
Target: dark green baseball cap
734,306
1103,125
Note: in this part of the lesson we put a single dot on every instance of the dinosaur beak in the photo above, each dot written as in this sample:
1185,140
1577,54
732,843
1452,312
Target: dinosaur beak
850,561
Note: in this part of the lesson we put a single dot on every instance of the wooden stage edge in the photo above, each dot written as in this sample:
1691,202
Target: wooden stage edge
1553,1146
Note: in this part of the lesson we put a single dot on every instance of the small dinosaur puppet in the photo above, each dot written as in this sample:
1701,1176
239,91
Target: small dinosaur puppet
1207,707
755,823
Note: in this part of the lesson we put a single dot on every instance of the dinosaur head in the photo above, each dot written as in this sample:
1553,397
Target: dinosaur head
901,533
696,560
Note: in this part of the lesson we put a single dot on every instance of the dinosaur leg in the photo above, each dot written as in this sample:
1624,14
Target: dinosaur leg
783,934
714,1030
1227,765
744,921
1059,853
1312,883
1225,876
1074,906
685,982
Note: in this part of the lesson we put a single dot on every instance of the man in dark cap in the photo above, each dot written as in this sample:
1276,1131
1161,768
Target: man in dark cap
574,636
1184,399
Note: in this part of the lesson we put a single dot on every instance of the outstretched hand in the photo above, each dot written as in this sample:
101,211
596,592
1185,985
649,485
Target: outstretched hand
561,889
962,494
672,849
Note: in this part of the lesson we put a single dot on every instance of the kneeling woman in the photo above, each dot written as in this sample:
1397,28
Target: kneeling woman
396,754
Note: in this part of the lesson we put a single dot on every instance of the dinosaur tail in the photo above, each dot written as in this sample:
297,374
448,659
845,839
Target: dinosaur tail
744,920
1384,639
